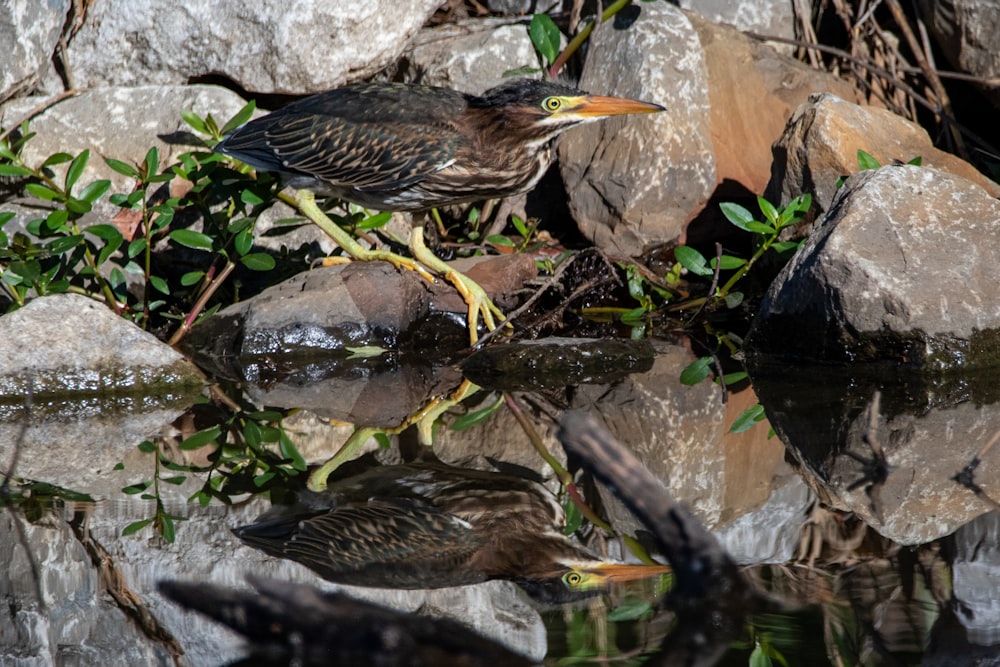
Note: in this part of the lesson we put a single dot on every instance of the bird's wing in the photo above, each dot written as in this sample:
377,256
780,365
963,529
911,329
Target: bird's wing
389,543
368,137
367,156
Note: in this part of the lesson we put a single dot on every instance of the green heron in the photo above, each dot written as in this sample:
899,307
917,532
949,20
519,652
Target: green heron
430,525
393,146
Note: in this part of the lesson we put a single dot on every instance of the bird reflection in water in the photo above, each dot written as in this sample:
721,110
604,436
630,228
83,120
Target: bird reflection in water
427,524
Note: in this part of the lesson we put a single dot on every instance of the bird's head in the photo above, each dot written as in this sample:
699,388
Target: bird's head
546,109
554,569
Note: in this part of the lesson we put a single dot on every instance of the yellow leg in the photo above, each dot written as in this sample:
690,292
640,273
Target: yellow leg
474,295
423,259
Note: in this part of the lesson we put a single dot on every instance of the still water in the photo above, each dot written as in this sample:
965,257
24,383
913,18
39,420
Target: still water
850,515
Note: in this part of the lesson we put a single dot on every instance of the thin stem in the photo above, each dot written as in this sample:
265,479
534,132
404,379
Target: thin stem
581,37
199,306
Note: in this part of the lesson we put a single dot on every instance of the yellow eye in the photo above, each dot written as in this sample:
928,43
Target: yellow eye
552,103
573,579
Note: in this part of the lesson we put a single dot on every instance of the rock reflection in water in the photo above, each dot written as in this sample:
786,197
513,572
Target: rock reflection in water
427,524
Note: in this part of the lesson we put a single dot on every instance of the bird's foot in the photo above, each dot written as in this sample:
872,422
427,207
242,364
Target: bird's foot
423,262
479,302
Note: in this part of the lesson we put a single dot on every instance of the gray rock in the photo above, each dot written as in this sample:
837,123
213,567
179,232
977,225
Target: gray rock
902,269
820,145
633,181
29,31
67,344
471,56
267,47
519,7
768,17
975,570
121,123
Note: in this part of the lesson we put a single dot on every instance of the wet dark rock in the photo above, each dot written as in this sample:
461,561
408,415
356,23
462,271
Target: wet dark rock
557,362
902,269
68,345
518,7
267,47
928,429
820,145
324,312
30,32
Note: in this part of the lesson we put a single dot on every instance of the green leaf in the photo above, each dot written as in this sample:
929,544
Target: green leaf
734,299
499,240
76,169
176,481
631,611
105,232
258,261
194,120
782,247
242,116
375,221
545,36
110,247
727,262
250,198
192,278
13,170
243,242
152,162
5,217
759,658
748,418
136,246
167,528
95,190
146,447
201,438
65,244
916,162
290,451
737,215
696,371
767,208
574,517
866,161
56,158
692,260
133,489
734,377
77,206
470,419
252,434
159,284
122,168
135,527
42,192
191,239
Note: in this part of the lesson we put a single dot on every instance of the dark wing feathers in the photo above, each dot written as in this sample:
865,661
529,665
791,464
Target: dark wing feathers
365,137
402,544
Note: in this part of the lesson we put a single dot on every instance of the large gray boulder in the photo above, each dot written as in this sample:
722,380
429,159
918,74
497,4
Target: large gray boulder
902,269
267,47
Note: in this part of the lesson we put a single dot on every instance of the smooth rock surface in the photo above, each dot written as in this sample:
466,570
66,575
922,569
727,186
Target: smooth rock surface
633,181
67,344
265,47
902,269
29,31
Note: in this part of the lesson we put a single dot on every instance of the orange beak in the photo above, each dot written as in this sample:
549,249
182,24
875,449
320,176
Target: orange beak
596,106
622,572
